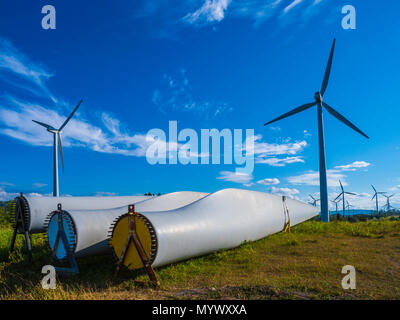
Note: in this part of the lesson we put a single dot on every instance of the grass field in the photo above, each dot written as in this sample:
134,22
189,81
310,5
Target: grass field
303,264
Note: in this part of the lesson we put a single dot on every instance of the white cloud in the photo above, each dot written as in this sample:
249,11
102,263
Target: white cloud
16,115
265,153
274,128
6,184
311,178
291,6
285,191
210,11
266,149
248,184
16,120
306,134
353,166
279,162
269,181
15,62
7,196
105,194
39,185
236,177
176,94
175,15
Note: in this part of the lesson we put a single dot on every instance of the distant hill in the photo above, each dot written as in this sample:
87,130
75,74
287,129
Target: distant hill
354,212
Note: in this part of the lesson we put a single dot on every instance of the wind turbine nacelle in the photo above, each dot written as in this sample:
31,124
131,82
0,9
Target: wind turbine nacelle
318,96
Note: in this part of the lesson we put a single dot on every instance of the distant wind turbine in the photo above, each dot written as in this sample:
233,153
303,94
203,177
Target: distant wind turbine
314,201
320,103
388,205
342,195
336,202
57,144
376,197
348,205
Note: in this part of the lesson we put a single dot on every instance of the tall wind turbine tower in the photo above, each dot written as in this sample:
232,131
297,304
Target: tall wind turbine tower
318,96
57,144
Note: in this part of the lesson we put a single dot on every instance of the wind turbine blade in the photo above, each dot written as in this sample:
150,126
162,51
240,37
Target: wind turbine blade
70,116
373,196
338,116
61,150
338,196
373,188
354,194
341,186
43,124
328,69
294,111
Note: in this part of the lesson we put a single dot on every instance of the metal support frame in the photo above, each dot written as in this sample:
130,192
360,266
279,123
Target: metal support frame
70,254
20,223
286,228
133,237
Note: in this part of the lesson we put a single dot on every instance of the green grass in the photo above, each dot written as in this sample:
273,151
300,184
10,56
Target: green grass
303,264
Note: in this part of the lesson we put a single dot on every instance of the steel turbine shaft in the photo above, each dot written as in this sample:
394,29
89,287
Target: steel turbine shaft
318,97
57,145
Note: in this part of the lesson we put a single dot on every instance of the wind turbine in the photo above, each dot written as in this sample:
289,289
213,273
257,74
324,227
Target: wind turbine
348,205
388,205
314,202
320,103
57,144
336,204
376,197
342,195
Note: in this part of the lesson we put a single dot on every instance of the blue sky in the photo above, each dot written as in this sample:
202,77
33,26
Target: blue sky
207,64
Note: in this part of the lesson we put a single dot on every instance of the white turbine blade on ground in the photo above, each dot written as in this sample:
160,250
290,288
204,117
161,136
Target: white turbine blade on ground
338,116
70,116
